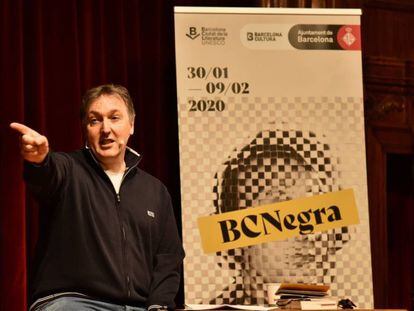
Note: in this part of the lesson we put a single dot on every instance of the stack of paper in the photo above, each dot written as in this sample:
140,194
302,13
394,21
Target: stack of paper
295,290
319,304
202,307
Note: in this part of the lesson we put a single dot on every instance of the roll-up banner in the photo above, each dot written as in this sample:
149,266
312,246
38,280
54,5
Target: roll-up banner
272,152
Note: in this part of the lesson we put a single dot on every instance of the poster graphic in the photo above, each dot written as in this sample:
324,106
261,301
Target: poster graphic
270,109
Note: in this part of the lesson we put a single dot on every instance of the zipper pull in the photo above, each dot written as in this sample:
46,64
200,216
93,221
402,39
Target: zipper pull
118,198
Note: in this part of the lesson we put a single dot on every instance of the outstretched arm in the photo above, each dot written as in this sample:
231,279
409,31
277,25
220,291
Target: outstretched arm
44,171
34,147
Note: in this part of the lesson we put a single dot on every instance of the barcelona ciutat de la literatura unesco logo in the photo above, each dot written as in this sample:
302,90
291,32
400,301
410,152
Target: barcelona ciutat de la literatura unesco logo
208,35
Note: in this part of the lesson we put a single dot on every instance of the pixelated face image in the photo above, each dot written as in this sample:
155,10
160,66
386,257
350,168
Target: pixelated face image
283,178
276,179
278,166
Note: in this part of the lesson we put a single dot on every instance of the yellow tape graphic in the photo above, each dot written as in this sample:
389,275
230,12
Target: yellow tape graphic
278,221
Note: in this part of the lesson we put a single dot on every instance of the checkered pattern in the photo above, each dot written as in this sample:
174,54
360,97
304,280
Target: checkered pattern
259,151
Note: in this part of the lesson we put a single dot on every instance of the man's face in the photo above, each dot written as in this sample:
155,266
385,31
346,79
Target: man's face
108,127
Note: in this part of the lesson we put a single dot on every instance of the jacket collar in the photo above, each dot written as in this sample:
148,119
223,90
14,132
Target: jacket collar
132,158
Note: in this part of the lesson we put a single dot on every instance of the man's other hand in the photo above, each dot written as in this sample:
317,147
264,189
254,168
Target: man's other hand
33,146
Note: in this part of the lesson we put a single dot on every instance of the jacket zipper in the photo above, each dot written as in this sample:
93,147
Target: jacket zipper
124,239
118,206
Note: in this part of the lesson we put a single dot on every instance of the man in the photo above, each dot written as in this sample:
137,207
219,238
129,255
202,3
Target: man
277,165
109,239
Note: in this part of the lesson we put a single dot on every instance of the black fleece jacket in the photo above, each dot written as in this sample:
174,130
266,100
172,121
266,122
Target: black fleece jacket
118,248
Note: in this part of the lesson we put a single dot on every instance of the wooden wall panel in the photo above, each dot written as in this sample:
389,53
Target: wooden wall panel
388,55
388,58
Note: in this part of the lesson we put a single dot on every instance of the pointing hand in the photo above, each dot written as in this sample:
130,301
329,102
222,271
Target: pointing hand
33,146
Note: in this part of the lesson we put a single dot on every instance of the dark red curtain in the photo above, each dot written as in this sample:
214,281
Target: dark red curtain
51,52
12,202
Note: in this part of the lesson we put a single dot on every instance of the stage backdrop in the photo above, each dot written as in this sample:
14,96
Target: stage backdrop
270,109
